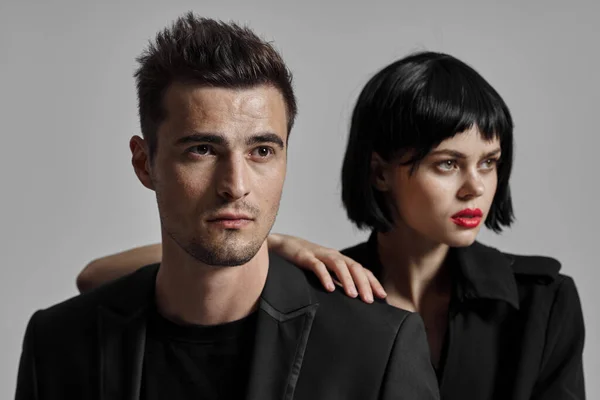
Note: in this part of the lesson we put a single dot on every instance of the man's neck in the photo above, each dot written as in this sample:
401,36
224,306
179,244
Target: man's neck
190,292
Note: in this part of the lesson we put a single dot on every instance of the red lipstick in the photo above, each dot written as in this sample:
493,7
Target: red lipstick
468,218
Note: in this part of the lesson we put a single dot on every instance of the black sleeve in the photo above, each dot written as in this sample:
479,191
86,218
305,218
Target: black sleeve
561,372
27,379
409,373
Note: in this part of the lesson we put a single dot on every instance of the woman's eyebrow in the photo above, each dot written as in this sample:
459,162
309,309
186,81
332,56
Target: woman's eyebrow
492,153
453,153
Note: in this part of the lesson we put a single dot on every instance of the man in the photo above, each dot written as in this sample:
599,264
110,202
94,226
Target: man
220,318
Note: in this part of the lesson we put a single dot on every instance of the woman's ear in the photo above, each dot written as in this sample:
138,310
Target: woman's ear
380,173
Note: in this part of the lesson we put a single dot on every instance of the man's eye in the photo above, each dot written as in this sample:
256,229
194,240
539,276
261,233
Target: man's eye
263,151
201,149
446,165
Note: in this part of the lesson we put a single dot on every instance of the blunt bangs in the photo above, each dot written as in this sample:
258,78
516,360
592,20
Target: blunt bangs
410,107
427,98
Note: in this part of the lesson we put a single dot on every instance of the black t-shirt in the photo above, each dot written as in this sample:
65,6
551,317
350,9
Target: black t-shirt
197,362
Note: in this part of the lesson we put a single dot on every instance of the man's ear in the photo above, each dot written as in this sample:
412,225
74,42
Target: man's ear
140,159
380,173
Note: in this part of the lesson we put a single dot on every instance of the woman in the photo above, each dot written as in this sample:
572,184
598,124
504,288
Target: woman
428,159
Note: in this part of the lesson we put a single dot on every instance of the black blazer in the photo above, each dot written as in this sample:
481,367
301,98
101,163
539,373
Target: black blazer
515,328
310,344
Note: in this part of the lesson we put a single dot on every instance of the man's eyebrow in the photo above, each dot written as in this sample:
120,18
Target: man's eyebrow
199,137
265,138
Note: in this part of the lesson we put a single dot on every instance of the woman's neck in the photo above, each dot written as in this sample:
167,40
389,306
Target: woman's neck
415,272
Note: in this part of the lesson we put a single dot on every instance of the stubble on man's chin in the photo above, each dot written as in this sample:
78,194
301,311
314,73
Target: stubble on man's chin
232,253
219,257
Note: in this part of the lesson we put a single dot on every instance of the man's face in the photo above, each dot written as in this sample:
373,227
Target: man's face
219,169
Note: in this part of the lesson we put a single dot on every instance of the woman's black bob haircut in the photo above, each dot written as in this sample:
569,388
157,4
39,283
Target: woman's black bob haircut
410,107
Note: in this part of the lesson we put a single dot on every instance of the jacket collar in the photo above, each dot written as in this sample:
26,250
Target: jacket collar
287,309
286,290
487,274
122,333
482,272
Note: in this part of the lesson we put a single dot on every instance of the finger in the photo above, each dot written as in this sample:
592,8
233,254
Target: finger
376,286
339,267
361,281
323,274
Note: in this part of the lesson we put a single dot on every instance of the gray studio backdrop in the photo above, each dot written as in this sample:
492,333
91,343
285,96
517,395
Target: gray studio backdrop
68,109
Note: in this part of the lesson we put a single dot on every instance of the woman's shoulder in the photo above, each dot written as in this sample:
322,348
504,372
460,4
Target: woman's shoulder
527,265
357,251
540,290
533,271
537,267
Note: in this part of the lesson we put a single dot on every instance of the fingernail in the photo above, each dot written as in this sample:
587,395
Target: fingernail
330,287
352,292
369,298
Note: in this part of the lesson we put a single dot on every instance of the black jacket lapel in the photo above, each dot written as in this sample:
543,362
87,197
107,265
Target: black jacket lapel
122,335
285,317
486,293
121,355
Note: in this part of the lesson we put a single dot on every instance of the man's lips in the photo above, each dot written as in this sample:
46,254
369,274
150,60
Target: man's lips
231,220
228,216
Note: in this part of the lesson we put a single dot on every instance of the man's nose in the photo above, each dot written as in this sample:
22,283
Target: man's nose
233,179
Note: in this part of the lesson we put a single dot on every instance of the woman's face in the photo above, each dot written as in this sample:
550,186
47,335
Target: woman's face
448,197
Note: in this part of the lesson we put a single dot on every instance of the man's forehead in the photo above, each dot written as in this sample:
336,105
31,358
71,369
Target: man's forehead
232,113
261,99
211,105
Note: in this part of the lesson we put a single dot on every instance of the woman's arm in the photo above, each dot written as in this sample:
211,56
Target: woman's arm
561,370
108,268
318,259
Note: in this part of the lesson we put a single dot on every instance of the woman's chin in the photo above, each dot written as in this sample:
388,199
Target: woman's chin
462,239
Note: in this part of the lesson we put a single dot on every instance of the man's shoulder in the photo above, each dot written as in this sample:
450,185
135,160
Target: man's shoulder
355,309
118,296
290,288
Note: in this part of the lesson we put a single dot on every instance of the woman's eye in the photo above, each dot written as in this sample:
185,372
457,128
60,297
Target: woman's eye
201,149
447,165
262,151
490,163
